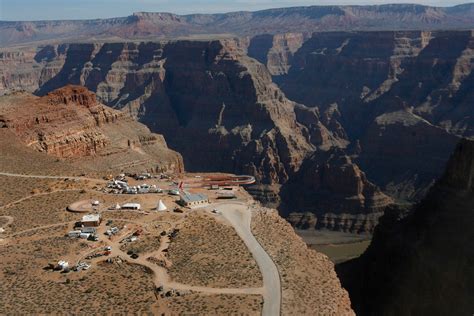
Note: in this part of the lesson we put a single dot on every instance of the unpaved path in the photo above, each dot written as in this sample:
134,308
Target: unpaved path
7,174
37,194
161,277
240,216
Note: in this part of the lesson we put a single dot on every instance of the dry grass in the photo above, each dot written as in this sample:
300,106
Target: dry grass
42,210
145,244
124,215
198,304
15,188
309,282
108,288
207,253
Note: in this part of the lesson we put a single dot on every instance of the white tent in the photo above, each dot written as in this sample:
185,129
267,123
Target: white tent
117,206
161,206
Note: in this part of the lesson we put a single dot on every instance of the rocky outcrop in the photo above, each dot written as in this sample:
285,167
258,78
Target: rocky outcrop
276,51
153,25
71,124
336,192
420,262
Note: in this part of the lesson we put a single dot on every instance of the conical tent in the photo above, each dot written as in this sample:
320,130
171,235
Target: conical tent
161,206
117,206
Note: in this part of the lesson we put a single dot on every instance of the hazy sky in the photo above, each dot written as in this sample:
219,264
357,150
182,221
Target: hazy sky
87,9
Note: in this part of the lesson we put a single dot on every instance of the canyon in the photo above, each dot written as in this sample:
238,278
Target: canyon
286,108
355,121
381,109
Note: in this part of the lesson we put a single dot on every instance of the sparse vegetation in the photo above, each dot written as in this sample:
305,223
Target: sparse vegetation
208,253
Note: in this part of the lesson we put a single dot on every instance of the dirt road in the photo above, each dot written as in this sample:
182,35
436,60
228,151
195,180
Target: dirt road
7,174
239,215
161,277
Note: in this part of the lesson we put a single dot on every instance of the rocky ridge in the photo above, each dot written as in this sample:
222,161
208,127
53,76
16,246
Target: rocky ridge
153,25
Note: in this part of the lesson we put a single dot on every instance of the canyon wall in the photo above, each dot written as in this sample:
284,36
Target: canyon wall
399,97
331,181
380,109
427,251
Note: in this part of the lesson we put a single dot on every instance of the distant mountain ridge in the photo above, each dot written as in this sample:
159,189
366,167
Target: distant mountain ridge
158,25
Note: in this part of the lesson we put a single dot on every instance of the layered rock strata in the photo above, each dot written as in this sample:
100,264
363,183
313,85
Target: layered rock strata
71,124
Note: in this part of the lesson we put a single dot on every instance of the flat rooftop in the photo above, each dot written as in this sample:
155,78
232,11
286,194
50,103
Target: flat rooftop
193,197
91,218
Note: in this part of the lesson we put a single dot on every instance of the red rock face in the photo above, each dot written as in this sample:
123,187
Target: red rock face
72,95
70,123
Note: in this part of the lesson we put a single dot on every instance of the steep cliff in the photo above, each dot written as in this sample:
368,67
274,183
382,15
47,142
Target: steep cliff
330,191
421,262
400,96
209,100
276,51
69,123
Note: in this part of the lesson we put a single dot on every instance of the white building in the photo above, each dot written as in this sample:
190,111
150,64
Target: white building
131,206
89,230
84,235
191,199
91,220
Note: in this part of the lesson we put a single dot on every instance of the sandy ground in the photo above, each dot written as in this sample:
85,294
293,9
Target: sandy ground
35,221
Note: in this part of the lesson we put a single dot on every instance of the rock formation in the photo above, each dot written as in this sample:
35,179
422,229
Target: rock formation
71,124
335,192
398,95
420,262
209,100
153,25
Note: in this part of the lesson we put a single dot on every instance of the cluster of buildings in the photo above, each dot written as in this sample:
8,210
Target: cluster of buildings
87,227
122,187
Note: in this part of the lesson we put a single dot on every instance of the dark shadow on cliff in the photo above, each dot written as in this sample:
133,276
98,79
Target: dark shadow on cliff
421,262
